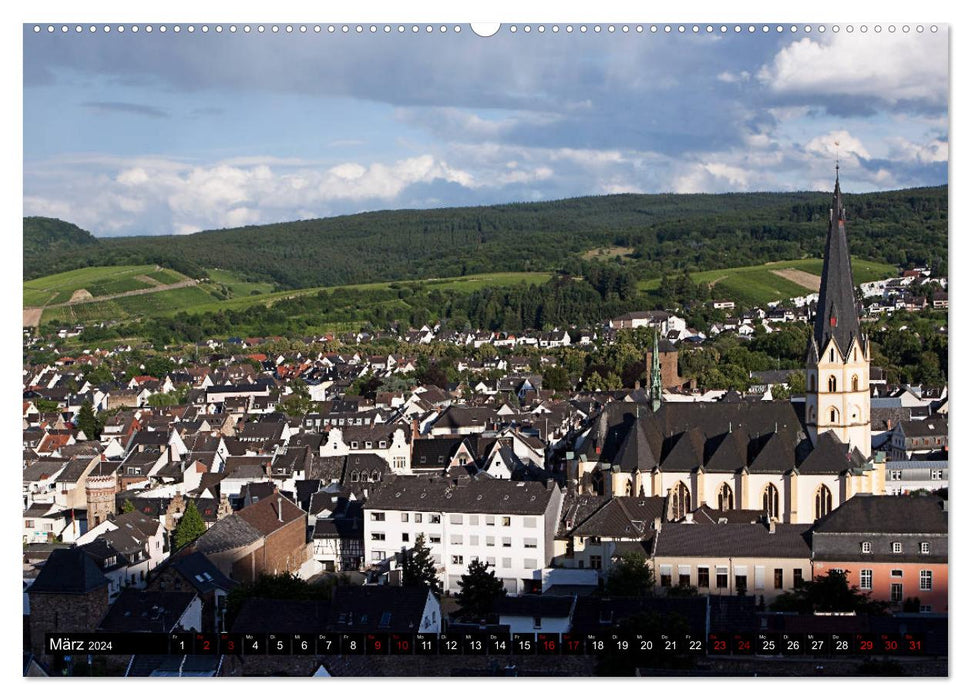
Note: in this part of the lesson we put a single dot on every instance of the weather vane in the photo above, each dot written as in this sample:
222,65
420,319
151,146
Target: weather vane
837,158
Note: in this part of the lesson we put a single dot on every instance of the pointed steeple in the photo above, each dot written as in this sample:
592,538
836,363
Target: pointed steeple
656,388
836,311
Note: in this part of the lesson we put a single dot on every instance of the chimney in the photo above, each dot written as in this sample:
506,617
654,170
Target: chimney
279,508
689,518
771,526
657,524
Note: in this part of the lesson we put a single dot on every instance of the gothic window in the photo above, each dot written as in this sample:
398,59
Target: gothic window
824,501
597,482
630,486
770,501
832,382
726,500
856,383
834,415
680,501
832,355
812,382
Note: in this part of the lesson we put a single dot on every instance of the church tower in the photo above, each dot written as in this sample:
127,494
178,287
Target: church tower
838,357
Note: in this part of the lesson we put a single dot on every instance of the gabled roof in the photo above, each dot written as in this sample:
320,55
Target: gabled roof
146,611
886,514
377,608
626,517
830,456
229,533
270,515
201,573
728,453
68,571
732,540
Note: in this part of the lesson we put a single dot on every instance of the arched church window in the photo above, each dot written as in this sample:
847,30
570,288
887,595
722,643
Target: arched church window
832,355
770,501
812,382
597,482
832,382
680,501
856,382
834,415
726,499
630,486
824,501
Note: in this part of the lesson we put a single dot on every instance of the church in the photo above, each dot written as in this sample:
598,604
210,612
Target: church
793,463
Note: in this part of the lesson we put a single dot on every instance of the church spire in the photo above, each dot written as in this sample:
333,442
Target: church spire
656,387
836,311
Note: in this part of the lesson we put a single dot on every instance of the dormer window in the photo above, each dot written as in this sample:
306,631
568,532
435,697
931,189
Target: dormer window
897,547
925,547
866,548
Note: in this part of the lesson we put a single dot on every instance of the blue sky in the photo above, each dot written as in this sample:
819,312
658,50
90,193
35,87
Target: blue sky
173,133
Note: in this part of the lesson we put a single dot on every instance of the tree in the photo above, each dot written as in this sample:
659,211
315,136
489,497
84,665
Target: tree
829,593
88,422
127,506
479,589
190,526
418,568
630,576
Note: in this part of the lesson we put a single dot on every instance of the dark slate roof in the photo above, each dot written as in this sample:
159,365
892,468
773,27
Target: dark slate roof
228,533
269,515
534,606
627,517
264,615
377,608
886,514
146,611
576,509
836,311
830,457
468,495
732,540
326,469
68,571
930,427
199,571
455,417
433,453
706,515
306,488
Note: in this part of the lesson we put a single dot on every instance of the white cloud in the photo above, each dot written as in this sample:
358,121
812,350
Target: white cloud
826,145
885,67
933,151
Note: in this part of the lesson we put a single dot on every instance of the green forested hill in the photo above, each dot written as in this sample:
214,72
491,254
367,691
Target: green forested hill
51,244
694,232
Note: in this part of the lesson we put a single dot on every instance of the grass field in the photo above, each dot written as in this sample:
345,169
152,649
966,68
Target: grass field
757,284
198,299
99,281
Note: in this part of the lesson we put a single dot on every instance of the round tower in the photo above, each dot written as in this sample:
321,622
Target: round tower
100,491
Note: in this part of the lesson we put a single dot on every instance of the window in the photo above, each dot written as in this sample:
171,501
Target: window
866,547
491,561
473,520
434,518
680,500
404,518
377,517
896,592
937,474
703,577
596,561
866,579
457,559
741,584
507,563
684,575
473,540
770,501
377,555
832,354
529,543
353,444
490,520
507,541
506,521
925,547
725,497
529,522
404,537
721,577
368,444
417,517
832,382
355,477
537,623
834,415
29,523
824,502
812,382
897,547
666,575
796,577
895,475
897,573
529,563
377,536
856,381
777,580
435,539
383,444
490,541
926,580
455,539
455,518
